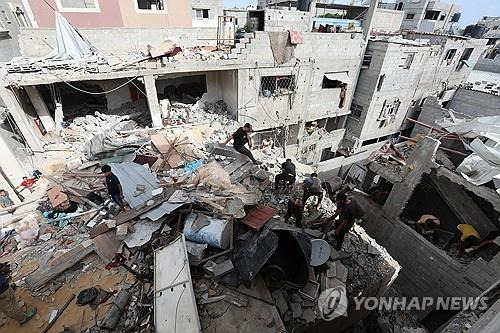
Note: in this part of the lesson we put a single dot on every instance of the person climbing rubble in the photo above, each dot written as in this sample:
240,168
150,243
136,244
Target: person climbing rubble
312,188
288,174
8,303
467,237
295,209
349,211
240,139
114,187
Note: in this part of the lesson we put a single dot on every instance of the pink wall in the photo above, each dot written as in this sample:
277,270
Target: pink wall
110,15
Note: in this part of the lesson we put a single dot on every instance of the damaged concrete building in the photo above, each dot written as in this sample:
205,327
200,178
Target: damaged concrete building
203,245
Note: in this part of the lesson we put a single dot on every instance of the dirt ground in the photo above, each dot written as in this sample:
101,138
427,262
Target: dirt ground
75,317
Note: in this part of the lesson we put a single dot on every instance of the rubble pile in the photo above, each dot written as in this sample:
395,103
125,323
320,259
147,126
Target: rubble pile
184,191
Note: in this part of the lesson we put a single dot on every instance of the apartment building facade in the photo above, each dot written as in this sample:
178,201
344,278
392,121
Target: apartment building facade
428,16
14,16
128,13
397,76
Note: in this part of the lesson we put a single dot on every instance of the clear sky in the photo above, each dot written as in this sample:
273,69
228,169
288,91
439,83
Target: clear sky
472,10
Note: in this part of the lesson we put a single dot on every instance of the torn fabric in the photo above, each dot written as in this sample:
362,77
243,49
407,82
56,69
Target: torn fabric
70,43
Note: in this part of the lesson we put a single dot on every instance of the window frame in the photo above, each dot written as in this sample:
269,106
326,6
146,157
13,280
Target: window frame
150,11
202,10
63,9
410,18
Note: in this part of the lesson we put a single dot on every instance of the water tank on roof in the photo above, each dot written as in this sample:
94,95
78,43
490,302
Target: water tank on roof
475,30
456,17
303,5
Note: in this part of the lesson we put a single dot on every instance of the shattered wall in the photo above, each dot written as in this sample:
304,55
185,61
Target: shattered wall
40,42
426,269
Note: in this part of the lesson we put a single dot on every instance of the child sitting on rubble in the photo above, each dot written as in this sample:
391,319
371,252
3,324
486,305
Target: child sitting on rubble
114,187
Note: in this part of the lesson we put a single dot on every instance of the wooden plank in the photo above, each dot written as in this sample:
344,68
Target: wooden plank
235,165
259,216
59,265
106,245
130,214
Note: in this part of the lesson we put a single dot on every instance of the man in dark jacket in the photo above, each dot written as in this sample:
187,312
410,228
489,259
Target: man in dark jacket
114,187
287,174
240,139
349,210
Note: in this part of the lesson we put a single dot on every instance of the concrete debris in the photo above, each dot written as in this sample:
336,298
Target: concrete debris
175,183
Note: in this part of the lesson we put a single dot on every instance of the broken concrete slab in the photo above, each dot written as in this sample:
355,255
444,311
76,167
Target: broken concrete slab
280,301
223,268
59,265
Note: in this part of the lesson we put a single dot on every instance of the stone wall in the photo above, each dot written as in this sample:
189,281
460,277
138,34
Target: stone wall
40,42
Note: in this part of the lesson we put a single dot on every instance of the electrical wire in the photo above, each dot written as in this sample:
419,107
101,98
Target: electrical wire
96,93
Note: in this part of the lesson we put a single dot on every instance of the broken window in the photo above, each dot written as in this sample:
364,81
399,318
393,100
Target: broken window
450,54
150,4
443,17
380,82
356,110
78,4
276,85
335,80
388,113
367,59
467,53
464,57
410,16
432,15
327,154
409,60
201,13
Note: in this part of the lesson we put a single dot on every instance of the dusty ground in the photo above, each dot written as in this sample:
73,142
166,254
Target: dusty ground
75,317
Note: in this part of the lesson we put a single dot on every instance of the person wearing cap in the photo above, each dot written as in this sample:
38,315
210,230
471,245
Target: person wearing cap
240,139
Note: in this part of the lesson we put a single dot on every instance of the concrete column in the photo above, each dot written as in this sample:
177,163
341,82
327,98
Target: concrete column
154,105
40,108
420,162
22,121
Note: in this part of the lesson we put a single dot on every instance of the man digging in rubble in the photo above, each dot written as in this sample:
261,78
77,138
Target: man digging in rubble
8,303
467,237
295,207
114,187
287,175
240,139
349,210
428,225
312,188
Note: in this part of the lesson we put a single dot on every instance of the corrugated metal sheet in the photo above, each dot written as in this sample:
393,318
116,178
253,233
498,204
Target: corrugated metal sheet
259,216
162,210
130,175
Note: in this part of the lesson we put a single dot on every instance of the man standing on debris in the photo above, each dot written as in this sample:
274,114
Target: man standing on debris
114,187
312,188
8,303
240,139
349,210
287,174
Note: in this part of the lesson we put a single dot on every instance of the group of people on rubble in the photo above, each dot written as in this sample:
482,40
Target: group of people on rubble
466,236
348,210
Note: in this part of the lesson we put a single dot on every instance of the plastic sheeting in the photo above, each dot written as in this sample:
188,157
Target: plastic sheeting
70,43
482,126
130,175
484,163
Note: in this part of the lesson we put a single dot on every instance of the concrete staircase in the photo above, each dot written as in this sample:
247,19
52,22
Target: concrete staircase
242,47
